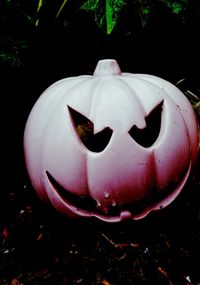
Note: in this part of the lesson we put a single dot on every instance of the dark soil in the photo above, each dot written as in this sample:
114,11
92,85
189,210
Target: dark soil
40,246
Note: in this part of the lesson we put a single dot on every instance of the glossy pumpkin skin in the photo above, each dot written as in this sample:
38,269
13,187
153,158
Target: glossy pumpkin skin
151,144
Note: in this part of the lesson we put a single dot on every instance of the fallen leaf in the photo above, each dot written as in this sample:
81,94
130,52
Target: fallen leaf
78,281
40,237
5,233
15,282
105,282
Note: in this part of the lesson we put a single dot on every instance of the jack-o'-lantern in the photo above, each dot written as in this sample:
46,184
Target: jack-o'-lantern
113,145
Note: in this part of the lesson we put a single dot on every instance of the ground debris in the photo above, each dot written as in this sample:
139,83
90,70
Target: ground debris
105,282
38,246
15,282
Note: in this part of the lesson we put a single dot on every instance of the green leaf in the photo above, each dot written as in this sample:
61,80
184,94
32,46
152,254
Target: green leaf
176,7
144,10
106,12
91,5
96,7
113,8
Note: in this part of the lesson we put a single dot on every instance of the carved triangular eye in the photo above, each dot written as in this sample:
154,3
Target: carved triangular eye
85,130
146,137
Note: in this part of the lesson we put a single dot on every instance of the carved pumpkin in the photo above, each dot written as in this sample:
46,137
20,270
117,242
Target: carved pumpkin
113,145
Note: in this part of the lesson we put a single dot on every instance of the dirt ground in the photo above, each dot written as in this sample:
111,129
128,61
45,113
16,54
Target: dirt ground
40,246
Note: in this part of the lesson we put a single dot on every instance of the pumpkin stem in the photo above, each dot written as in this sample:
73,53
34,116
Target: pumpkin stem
107,67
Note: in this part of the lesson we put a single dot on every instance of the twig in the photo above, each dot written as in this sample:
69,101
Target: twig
109,240
180,81
192,94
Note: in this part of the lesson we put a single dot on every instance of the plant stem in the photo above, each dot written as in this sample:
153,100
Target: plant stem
40,3
61,8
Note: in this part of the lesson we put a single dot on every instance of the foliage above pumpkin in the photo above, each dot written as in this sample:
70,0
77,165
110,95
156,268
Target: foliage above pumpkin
21,20
106,16
106,13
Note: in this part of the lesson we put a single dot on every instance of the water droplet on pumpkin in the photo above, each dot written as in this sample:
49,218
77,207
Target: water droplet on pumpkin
106,194
114,203
6,251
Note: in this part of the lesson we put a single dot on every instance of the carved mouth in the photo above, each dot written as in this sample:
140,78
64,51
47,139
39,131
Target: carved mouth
80,202
115,211
85,202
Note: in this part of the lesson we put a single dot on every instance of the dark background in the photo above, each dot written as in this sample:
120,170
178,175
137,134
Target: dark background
42,246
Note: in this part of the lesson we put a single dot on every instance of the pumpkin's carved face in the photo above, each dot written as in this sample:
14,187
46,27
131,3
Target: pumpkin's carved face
111,145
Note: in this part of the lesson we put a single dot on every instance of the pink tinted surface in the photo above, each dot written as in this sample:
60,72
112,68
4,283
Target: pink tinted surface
125,179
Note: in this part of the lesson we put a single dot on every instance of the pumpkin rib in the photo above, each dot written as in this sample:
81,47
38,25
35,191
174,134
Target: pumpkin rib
125,142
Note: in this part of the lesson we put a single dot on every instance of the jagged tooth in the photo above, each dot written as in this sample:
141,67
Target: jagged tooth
125,215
